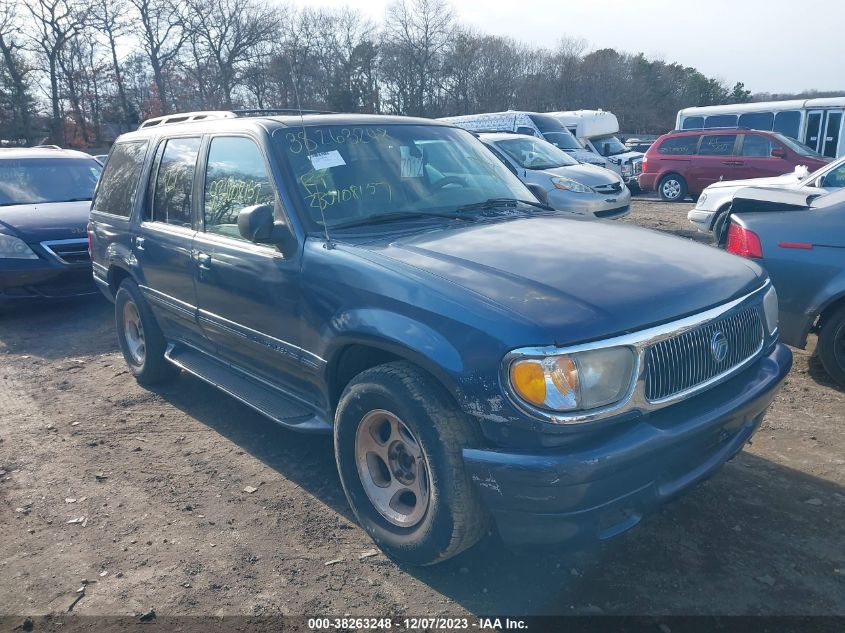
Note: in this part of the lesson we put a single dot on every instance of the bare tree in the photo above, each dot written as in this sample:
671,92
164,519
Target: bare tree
163,33
110,18
17,71
228,34
55,23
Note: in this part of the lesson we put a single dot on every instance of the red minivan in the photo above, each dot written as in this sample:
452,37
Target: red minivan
681,163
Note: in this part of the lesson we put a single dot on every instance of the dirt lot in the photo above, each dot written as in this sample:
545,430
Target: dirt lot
143,492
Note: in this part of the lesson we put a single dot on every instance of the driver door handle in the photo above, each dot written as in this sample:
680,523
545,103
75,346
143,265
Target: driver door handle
139,243
204,261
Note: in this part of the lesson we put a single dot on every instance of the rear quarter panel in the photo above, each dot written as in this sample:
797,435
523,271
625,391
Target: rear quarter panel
807,279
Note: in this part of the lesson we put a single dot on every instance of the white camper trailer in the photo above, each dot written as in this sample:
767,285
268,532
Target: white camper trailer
596,130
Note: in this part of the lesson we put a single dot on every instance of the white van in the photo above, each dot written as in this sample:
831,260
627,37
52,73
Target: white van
596,130
539,125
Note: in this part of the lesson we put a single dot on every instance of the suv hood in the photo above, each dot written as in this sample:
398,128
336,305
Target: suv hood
46,221
578,279
625,157
586,156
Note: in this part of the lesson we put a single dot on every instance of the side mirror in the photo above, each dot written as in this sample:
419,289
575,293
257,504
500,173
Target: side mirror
778,152
538,192
257,224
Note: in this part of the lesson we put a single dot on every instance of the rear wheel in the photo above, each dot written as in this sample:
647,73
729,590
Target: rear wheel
832,345
672,188
398,445
140,338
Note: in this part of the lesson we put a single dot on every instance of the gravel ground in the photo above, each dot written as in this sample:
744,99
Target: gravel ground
142,491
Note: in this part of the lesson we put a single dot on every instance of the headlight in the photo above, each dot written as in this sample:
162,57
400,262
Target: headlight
14,248
626,170
570,185
701,199
770,307
574,382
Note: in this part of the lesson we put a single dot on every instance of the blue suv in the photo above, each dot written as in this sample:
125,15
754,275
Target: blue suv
479,357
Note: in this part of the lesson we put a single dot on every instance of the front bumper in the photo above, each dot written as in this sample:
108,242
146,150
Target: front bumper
24,281
607,485
647,182
701,219
601,205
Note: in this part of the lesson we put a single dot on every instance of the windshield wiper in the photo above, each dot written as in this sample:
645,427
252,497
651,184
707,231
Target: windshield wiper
380,218
494,203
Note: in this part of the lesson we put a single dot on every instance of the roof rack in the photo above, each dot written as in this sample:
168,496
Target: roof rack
208,115
719,129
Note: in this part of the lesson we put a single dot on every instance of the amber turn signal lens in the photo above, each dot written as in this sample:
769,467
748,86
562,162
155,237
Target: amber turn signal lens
529,380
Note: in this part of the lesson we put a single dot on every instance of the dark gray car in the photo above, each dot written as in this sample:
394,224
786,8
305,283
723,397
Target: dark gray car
801,243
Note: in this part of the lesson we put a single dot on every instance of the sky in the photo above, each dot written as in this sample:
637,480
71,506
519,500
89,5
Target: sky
769,45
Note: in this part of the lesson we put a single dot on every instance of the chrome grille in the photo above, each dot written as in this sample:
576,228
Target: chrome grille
74,251
688,360
614,187
637,167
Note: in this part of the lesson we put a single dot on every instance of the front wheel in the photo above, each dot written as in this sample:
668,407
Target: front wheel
672,188
398,445
832,346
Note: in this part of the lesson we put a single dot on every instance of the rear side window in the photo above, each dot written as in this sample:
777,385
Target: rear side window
717,145
174,181
678,145
119,182
235,178
757,146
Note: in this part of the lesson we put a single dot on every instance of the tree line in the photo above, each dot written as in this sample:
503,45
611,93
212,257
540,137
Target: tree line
79,72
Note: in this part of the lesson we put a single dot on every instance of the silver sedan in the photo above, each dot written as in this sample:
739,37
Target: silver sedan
566,184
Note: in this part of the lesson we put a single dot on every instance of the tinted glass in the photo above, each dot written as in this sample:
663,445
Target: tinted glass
788,123
831,135
798,148
678,145
235,177
720,120
172,196
693,123
609,145
757,120
717,145
757,145
535,154
358,173
835,178
116,193
41,180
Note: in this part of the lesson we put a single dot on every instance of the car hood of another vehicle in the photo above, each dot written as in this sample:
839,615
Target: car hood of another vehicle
589,175
46,221
577,279
786,180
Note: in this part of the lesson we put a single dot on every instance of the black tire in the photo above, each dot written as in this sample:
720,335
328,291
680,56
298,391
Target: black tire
672,188
148,365
454,518
831,345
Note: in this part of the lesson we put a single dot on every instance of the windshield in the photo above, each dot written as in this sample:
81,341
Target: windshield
613,145
42,180
535,154
562,140
798,148
352,173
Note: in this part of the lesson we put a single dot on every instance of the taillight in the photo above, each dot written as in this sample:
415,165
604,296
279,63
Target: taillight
645,164
90,254
743,242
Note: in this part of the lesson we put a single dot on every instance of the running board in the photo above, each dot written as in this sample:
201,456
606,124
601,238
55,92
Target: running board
267,400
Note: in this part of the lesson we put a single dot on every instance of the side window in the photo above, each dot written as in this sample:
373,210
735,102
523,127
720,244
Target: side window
119,182
757,146
679,145
720,121
172,193
788,123
717,145
526,130
835,178
693,123
235,177
757,120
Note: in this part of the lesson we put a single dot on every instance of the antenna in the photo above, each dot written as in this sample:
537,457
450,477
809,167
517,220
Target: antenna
329,244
